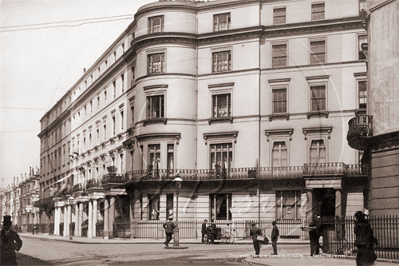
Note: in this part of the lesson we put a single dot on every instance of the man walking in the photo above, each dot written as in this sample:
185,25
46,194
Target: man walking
168,226
203,230
254,232
10,242
275,235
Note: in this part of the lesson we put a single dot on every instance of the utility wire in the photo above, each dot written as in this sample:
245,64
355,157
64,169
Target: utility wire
56,24
67,21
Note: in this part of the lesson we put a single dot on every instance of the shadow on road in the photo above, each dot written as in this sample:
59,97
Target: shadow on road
184,260
25,260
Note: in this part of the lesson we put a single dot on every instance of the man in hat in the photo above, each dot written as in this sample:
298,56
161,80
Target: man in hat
168,226
203,230
274,237
10,242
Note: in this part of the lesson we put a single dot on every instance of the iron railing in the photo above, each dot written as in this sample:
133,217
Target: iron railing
309,169
114,178
190,229
94,183
121,230
339,236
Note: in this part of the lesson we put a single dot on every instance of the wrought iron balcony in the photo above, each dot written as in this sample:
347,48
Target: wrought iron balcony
280,172
78,187
113,178
286,172
322,169
360,129
94,183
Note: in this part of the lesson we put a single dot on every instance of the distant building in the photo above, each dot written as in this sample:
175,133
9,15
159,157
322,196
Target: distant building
377,132
250,111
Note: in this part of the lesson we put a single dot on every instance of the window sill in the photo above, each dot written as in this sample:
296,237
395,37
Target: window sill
320,113
155,121
279,116
220,120
361,111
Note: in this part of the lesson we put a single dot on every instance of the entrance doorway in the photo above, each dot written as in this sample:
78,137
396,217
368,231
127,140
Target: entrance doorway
324,202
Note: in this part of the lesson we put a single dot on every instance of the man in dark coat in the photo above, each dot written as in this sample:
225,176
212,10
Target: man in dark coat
213,231
365,241
254,232
10,242
168,226
315,234
274,237
203,230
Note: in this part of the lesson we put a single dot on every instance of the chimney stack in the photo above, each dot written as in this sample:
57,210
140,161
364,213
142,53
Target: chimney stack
84,70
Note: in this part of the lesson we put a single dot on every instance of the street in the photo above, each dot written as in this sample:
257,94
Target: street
37,251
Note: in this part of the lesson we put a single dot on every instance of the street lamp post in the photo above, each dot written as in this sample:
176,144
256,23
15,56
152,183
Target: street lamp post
70,201
178,181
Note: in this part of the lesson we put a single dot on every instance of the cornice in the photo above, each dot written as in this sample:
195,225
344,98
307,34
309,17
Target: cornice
313,27
163,38
384,142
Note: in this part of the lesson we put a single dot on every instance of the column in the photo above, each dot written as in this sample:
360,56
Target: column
77,221
90,223
106,215
69,208
80,217
340,226
338,204
94,218
111,216
309,207
56,226
65,220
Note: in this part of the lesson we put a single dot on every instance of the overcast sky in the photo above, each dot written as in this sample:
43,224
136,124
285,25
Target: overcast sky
38,66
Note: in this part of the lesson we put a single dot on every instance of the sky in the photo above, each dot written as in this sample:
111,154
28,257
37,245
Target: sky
44,46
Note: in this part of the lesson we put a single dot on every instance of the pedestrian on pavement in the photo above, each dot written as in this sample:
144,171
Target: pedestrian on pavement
274,237
203,230
365,240
254,232
213,231
315,234
33,229
168,226
10,242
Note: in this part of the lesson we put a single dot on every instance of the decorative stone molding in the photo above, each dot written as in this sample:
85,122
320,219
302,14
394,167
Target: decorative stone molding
319,130
129,144
144,137
228,119
284,80
221,85
112,153
284,132
120,149
230,135
155,121
160,86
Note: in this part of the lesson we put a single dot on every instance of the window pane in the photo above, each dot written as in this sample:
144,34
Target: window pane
362,94
317,50
318,98
280,101
221,105
317,11
279,16
221,22
221,61
279,55
221,156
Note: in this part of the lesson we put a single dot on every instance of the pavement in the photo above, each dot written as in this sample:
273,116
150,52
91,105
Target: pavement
101,240
285,257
